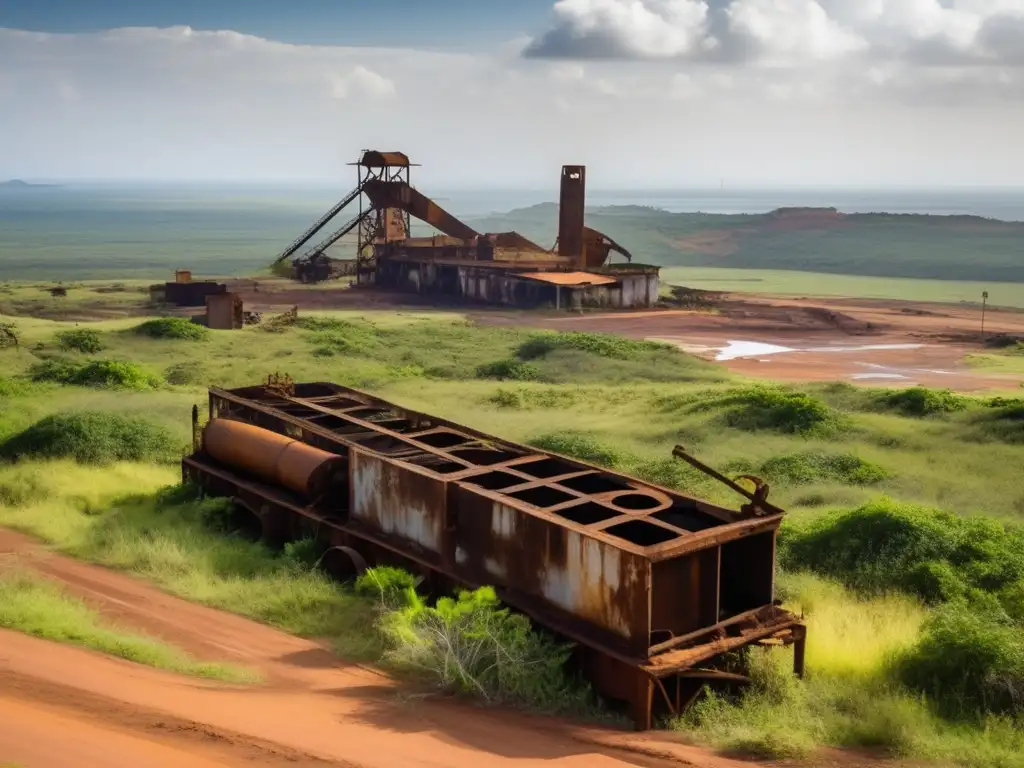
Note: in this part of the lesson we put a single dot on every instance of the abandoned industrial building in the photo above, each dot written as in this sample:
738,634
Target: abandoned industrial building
495,268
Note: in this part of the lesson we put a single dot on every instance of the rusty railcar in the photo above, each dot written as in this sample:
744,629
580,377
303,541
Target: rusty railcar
651,584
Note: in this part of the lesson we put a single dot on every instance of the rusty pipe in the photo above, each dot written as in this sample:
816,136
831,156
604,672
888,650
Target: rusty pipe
273,458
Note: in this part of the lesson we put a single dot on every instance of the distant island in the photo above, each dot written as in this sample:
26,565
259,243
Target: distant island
21,184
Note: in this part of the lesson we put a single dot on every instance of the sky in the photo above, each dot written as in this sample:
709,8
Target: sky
501,93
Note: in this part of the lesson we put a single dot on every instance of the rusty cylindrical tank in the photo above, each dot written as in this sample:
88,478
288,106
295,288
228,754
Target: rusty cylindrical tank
274,458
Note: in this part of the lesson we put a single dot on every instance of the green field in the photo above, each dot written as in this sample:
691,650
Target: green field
792,283
902,545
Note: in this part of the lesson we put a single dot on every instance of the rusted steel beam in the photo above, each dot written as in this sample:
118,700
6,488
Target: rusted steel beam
758,498
675,642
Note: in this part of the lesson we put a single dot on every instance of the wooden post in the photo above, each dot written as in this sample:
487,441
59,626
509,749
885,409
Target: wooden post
984,302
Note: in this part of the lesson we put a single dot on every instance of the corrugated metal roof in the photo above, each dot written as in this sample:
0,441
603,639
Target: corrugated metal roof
568,278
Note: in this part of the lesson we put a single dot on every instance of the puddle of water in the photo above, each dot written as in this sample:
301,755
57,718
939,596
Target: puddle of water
736,349
863,348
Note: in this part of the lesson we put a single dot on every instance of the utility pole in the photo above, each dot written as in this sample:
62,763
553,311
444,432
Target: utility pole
984,302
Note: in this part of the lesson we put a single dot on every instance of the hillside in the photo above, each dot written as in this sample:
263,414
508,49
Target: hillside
802,239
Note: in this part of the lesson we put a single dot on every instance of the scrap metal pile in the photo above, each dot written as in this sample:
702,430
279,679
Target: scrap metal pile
651,584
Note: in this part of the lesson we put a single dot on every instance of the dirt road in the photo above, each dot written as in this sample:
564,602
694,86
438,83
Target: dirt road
62,706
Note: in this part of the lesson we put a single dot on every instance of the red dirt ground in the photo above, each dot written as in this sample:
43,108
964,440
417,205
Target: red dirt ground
946,333
64,707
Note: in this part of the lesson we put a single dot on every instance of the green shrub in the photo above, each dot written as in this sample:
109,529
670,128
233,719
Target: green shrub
503,370
83,340
933,554
599,344
471,644
778,409
582,446
391,588
968,663
10,388
331,336
92,437
920,401
172,328
108,374
814,467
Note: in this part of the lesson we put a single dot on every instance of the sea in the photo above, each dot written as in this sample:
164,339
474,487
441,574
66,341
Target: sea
104,231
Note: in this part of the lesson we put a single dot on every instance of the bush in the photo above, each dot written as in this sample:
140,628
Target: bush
109,374
80,340
92,437
814,467
582,446
920,401
968,663
471,644
330,336
780,410
172,328
515,370
929,553
599,344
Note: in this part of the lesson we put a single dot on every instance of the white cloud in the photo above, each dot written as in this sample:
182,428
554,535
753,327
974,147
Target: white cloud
627,29
364,82
182,103
793,32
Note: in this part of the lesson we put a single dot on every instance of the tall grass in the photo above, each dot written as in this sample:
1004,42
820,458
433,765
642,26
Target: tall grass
36,607
122,517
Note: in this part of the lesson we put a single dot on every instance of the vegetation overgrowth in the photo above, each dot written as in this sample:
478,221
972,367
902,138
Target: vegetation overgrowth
901,546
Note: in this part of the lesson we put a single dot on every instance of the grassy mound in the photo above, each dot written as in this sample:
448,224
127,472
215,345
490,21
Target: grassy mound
172,328
187,373
774,408
508,370
106,374
83,340
930,553
814,467
968,662
921,401
92,437
598,344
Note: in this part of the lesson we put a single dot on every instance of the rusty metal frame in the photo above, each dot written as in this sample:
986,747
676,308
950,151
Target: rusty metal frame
448,476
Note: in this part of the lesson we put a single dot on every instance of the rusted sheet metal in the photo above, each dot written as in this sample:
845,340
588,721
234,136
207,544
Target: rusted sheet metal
550,561
274,458
398,194
375,159
397,500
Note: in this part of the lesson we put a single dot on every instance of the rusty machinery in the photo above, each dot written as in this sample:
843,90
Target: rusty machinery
650,584
387,203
